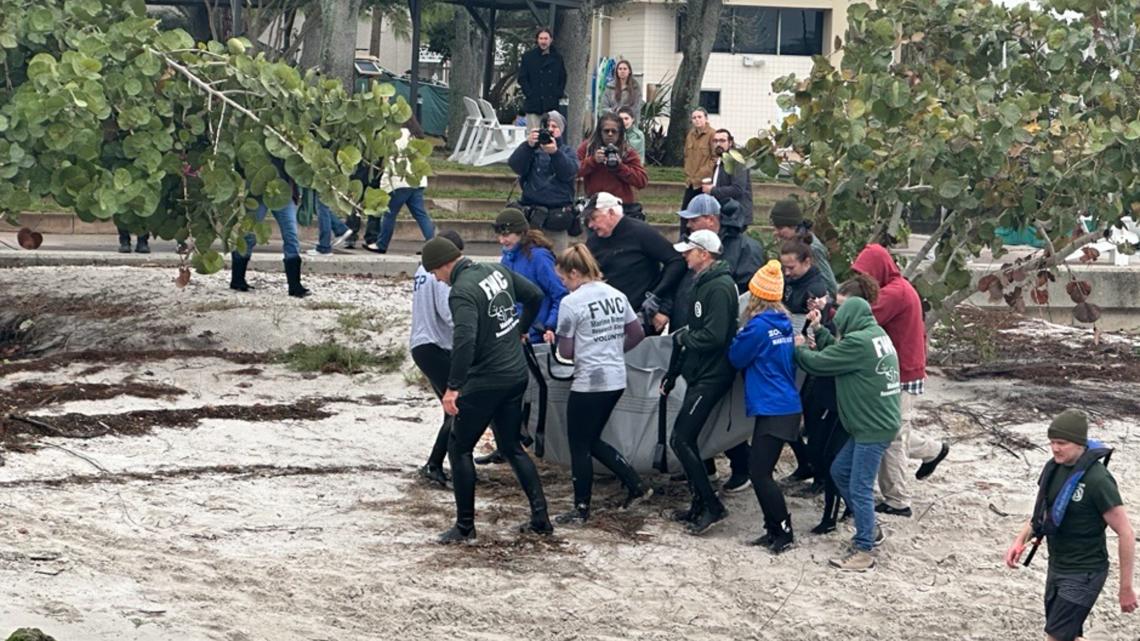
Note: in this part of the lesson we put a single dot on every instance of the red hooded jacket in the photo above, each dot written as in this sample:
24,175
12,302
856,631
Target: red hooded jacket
898,310
622,182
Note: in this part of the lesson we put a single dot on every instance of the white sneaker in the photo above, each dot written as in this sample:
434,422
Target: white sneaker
340,240
313,252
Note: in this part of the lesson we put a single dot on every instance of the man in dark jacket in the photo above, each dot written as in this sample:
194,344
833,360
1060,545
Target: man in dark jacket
705,367
730,185
546,171
744,256
488,376
635,259
542,78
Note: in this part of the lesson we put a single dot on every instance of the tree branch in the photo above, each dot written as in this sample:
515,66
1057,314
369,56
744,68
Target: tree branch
916,262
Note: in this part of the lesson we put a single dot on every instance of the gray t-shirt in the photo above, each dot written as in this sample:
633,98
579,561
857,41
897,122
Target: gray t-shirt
595,316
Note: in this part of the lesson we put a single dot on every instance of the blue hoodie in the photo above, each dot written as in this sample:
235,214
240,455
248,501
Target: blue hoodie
538,268
765,350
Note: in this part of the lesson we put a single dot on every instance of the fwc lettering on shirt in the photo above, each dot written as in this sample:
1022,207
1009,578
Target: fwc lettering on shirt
607,306
500,302
887,367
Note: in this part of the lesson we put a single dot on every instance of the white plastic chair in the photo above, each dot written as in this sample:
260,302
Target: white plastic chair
470,126
477,134
499,140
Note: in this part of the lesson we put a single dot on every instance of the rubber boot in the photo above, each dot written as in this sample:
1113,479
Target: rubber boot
238,265
124,242
781,537
293,275
143,246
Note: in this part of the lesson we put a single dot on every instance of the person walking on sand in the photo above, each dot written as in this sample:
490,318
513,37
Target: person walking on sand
1076,498
487,378
862,359
705,368
596,326
430,343
765,349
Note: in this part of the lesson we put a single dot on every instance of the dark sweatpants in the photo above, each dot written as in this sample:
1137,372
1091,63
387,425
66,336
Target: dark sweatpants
502,408
698,403
586,416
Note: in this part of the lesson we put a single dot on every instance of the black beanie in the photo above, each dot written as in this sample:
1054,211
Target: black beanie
438,252
1072,426
454,237
786,213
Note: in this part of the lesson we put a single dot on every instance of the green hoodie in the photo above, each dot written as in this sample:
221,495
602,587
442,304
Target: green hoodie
712,326
487,351
866,371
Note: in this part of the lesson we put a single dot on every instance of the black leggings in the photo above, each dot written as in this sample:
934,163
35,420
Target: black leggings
826,436
766,449
586,416
476,410
435,362
695,409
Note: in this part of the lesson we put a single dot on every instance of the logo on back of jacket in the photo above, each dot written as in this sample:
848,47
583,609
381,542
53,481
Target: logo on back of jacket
887,366
500,302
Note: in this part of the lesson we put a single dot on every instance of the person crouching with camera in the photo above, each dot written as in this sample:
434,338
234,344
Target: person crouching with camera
610,164
547,169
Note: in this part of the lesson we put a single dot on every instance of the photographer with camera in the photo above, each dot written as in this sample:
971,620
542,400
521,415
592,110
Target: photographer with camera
610,164
547,169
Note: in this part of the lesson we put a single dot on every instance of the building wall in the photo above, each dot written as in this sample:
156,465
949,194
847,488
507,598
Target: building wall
645,33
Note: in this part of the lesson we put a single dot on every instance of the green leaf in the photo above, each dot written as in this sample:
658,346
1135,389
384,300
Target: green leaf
41,19
1132,131
277,194
208,262
856,108
1009,113
3,123
858,11
897,95
122,178
374,201
951,189
348,158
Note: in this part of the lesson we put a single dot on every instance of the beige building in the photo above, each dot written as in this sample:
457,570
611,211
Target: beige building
758,41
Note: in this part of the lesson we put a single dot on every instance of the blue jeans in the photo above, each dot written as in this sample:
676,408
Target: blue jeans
328,225
854,471
413,197
286,223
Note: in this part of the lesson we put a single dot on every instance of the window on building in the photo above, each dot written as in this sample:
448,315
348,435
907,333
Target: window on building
765,30
710,100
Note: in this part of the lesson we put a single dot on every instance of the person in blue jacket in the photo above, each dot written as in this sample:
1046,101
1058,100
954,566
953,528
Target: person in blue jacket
765,350
547,168
527,252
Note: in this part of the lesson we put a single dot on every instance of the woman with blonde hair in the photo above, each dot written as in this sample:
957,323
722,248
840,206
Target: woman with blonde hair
596,326
623,90
765,350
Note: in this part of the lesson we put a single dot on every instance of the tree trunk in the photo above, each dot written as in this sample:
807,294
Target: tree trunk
573,41
340,19
697,38
466,71
377,31
311,39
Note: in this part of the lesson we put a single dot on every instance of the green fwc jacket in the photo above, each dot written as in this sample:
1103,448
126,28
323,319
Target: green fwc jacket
712,326
487,351
866,371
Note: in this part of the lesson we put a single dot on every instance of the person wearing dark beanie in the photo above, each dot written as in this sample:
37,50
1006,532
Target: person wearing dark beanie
788,223
786,213
491,307
1077,498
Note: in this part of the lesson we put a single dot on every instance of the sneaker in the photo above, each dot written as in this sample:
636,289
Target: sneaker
928,467
577,516
825,526
341,240
797,475
142,247
883,508
635,497
687,516
763,541
316,252
457,534
880,535
374,248
706,520
737,483
434,475
781,541
854,560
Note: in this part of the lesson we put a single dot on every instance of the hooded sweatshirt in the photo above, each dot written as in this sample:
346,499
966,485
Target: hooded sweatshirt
866,372
765,350
538,268
898,310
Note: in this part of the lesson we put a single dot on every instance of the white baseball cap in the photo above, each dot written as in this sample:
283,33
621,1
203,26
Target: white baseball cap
705,239
601,201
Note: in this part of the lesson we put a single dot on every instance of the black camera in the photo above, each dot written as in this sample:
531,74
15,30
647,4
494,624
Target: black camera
613,156
545,137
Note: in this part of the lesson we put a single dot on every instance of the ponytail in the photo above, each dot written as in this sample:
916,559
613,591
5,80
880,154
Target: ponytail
579,258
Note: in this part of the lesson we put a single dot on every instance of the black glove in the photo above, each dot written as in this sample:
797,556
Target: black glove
650,307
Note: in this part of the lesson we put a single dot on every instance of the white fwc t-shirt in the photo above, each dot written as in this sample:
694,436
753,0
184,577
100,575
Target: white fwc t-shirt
595,316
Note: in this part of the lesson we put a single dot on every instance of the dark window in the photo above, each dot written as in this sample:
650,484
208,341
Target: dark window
710,100
765,30
801,32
